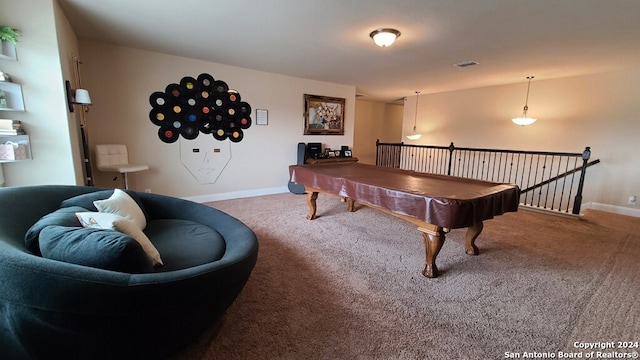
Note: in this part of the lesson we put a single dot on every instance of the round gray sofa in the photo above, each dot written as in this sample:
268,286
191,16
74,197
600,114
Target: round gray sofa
52,309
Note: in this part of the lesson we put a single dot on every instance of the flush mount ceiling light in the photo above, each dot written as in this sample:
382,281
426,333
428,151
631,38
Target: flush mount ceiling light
384,37
415,135
524,119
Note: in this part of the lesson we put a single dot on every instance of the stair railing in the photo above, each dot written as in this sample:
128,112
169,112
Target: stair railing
547,180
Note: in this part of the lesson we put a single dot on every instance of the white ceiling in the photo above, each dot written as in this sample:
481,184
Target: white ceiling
328,40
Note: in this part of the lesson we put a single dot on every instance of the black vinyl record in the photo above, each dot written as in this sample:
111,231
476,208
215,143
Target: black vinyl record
205,110
189,132
233,96
168,134
175,123
191,118
206,125
219,120
177,109
190,102
188,84
172,92
244,108
231,112
158,100
205,82
220,87
219,134
245,122
236,135
219,102
158,116
204,97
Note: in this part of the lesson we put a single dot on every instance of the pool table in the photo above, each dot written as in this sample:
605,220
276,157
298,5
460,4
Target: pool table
435,203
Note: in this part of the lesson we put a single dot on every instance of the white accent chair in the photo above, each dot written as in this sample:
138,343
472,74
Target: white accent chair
115,158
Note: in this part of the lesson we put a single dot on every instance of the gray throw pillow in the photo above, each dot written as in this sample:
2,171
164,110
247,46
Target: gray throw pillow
62,217
104,249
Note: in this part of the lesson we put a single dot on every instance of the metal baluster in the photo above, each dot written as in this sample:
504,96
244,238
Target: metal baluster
515,177
549,186
555,189
530,171
564,184
573,177
544,167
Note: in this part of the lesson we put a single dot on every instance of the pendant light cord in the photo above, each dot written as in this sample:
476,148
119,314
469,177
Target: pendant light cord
415,118
526,101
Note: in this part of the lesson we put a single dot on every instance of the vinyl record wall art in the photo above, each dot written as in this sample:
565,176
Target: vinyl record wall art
199,105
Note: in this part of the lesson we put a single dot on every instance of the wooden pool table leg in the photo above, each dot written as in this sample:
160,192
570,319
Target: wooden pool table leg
312,196
433,241
351,205
470,239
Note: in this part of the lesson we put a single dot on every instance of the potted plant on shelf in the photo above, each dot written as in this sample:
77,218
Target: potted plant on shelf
9,34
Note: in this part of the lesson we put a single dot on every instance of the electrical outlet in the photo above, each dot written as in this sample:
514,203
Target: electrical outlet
632,200
147,190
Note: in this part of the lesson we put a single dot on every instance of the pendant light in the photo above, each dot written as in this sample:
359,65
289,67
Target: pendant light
524,119
415,135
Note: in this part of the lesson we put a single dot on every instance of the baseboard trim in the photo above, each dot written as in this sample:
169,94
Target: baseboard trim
237,194
612,209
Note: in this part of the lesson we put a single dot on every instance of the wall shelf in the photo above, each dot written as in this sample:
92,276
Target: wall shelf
14,148
7,51
13,94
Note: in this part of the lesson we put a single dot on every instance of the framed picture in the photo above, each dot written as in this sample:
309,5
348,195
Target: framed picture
262,117
347,153
323,115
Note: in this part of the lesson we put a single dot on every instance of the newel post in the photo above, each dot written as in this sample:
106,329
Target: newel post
451,149
577,201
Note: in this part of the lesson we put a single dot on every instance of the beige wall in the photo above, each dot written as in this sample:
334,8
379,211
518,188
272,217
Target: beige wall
121,79
46,38
375,120
600,111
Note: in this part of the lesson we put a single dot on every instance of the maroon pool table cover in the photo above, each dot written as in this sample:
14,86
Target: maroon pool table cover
446,201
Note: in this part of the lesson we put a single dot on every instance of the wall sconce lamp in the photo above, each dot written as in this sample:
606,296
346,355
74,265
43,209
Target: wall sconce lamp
385,36
524,119
415,135
77,96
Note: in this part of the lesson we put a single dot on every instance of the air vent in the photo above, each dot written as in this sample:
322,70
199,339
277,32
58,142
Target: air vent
466,64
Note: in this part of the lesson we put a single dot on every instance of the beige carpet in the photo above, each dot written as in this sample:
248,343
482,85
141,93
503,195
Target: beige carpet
348,286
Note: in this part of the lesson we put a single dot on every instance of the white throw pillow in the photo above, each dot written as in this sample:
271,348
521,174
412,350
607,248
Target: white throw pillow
99,220
122,204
